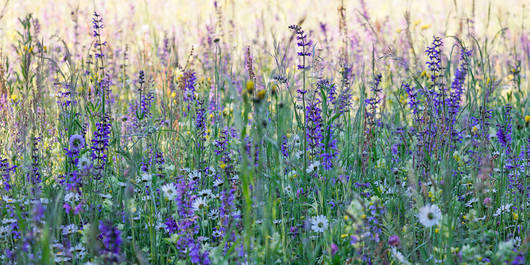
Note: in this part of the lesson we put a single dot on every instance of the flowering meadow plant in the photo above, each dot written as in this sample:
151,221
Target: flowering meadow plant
261,132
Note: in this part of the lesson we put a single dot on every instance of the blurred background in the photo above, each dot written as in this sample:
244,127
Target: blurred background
251,20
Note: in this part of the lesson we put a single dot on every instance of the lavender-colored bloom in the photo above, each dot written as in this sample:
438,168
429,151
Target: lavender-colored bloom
329,151
314,127
412,94
5,170
200,124
97,25
372,102
435,57
303,43
283,147
171,225
111,238
504,130
457,86
394,241
77,142
187,85
100,143
435,66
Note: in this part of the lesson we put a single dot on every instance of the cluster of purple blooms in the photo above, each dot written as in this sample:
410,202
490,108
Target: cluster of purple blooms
110,236
303,43
100,144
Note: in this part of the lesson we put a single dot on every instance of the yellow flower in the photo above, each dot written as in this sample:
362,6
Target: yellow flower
173,94
250,86
474,129
403,99
515,216
424,73
222,165
343,235
261,94
274,89
14,97
424,27
363,216
527,118
437,230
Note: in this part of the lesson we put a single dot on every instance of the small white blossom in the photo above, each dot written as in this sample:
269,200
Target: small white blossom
319,223
170,192
430,215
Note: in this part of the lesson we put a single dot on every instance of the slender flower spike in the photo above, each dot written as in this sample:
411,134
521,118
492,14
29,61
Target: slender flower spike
303,43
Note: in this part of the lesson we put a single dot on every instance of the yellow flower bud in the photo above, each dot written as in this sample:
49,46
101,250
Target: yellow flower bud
424,27
261,94
250,86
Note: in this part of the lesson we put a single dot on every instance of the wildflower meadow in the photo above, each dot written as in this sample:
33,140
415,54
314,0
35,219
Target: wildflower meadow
264,132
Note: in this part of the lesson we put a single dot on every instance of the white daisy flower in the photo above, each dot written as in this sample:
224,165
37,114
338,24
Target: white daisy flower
194,175
218,183
105,196
71,197
69,229
217,233
298,154
198,204
313,167
319,223
77,248
503,209
4,231
8,199
296,140
213,214
287,189
59,259
84,165
206,193
470,202
430,215
211,171
399,256
170,192
146,177
235,178
236,214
